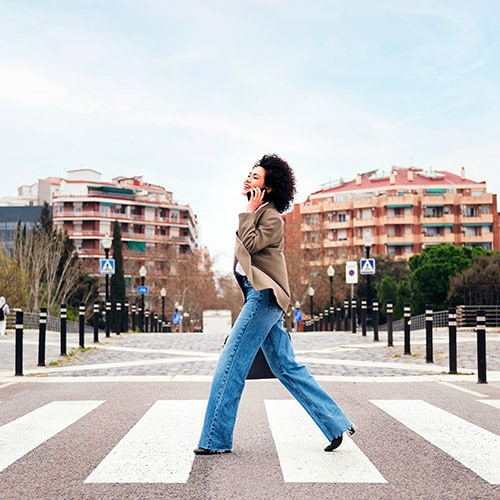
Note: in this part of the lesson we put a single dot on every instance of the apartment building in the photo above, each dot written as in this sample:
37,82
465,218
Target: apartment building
155,229
397,213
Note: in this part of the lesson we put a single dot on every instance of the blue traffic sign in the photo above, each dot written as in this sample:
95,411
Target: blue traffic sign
367,266
142,290
177,317
107,266
297,314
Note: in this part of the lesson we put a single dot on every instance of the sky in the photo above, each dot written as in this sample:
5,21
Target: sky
191,93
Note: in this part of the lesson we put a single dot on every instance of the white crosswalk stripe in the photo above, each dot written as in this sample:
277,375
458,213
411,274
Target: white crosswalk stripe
492,402
475,447
29,431
293,430
158,449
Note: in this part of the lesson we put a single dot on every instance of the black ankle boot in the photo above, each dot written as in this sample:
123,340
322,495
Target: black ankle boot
336,442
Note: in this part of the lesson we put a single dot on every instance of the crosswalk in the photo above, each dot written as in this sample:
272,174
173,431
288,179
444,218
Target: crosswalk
158,448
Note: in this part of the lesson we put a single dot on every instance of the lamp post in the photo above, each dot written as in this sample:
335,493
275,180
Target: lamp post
106,244
331,273
311,295
163,294
368,241
142,272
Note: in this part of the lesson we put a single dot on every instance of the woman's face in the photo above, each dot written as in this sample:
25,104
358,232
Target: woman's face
255,179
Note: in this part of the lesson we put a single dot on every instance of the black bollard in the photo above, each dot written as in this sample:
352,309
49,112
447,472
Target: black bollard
346,315
95,322
125,317
481,346
19,343
389,311
363,317
428,334
353,315
338,326
118,318
42,333
452,336
407,322
375,320
108,318
81,316
133,318
63,334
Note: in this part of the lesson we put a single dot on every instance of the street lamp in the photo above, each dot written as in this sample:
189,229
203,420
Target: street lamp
106,244
311,295
163,294
331,273
142,272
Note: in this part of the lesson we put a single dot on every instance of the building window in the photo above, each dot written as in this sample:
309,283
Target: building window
342,217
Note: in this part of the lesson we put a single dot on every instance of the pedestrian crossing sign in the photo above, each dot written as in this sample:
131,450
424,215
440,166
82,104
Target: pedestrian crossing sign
107,266
367,266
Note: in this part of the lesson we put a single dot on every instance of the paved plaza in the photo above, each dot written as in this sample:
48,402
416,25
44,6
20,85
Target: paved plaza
327,354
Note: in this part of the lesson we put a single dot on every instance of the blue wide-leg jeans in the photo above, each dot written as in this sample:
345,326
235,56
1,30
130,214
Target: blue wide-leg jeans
260,324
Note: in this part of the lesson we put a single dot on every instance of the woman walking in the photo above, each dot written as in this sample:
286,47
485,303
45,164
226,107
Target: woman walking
260,270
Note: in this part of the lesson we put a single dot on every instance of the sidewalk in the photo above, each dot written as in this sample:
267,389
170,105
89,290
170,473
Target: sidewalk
190,356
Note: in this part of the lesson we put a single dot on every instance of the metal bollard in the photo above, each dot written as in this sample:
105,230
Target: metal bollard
42,333
133,318
63,334
363,317
375,320
125,317
19,343
339,314
452,337
481,346
95,321
428,334
81,316
407,322
346,315
118,318
108,318
353,315
389,311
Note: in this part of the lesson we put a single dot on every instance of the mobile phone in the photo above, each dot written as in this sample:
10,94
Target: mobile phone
249,193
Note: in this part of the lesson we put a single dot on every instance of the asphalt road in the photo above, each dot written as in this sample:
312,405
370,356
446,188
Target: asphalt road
121,420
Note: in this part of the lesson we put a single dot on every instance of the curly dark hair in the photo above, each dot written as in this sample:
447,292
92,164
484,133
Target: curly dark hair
280,179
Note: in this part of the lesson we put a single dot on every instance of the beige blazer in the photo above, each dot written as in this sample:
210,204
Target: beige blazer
259,250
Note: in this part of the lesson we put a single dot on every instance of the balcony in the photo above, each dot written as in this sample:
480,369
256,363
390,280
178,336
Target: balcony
445,219
482,199
97,215
403,219
403,201
479,238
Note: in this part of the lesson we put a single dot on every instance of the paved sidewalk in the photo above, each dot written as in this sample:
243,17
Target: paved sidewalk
193,356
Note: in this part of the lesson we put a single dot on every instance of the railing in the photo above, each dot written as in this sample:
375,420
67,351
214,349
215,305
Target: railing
31,321
466,317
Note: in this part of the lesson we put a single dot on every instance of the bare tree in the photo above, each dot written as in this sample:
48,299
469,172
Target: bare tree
49,273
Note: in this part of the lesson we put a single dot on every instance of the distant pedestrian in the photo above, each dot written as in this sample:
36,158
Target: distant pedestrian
4,312
260,270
